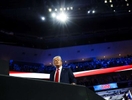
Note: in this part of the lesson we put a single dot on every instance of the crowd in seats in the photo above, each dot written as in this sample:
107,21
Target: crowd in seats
75,66
96,64
116,93
124,77
100,63
82,66
26,67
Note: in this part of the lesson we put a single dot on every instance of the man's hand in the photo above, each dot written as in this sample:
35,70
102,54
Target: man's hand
73,83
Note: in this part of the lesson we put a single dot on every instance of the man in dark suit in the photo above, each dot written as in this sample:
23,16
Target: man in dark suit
64,75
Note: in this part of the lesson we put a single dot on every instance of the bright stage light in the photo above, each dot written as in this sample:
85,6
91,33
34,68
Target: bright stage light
110,1
55,9
105,1
93,11
127,4
88,11
111,5
67,8
50,9
71,8
60,9
53,15
62,17
43,18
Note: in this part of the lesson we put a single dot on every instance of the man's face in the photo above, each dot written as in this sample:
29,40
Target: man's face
57,62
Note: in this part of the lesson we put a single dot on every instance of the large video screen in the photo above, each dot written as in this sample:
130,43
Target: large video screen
105,86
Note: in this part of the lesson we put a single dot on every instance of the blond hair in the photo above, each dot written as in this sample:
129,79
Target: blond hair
57,57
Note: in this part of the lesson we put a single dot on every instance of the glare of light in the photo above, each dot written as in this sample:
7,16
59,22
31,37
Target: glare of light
105,1
50,9
64,8
110,1
55,9
60,9
93,11
43,18
127,4
88,12
104,56
82,59
62,17
111,5
129,10
126,0
71,8
53,15
119,54
114,10
67,8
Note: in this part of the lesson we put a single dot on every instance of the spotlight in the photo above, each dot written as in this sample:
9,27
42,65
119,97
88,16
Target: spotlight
62,17
53,15
43,18
55,9
110,1
88,11
127,4
50,9
67,8
71,8
111,5
93,11
105,1
60,9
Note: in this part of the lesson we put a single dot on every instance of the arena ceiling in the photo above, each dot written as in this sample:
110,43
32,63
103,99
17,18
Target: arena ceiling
89,21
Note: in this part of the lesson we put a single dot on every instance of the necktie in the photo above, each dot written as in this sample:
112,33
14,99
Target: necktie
57,75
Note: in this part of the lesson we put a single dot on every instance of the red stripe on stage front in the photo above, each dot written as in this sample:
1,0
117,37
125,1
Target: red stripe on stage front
103,71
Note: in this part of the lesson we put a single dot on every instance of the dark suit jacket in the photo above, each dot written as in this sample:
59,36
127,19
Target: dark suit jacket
65,77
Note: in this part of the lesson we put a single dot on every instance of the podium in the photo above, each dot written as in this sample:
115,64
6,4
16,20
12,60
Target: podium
15,88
